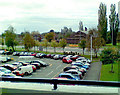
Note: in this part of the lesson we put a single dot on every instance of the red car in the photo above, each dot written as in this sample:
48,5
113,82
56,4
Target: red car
66,60
74,57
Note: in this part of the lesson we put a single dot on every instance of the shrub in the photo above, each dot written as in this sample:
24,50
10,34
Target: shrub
109,55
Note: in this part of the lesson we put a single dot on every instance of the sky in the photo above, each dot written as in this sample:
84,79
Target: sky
44,15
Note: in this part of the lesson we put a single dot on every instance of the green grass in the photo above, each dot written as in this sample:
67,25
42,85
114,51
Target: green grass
106,75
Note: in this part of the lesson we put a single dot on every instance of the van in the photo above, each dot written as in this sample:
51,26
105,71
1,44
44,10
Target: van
25,69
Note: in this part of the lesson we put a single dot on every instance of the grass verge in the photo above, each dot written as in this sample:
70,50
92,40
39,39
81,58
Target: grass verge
106,75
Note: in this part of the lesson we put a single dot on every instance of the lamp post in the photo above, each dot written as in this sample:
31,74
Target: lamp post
91,47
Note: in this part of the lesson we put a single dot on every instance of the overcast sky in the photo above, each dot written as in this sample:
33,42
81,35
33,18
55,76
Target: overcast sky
44,15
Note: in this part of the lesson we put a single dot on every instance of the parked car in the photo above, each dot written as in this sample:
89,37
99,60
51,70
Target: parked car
68,76
3,59
83,59
21,53
16,53
9,66
74,68
48,56
74,57
25,69
42,63
80,65
66,60
42,55
26,64
69,56
52,56
2,69
75,73
83,62
33,54
37,55
81,69
62,56
36,64
56,57
17,64
10,75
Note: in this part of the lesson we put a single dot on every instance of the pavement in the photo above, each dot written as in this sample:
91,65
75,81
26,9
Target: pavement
94,72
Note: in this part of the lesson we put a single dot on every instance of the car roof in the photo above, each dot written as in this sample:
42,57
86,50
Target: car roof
73,70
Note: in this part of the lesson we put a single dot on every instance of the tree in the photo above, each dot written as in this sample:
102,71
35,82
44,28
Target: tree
45,43
108,56
50,36
54,44
97,41
114,23
63,43
82,44
102,21
28,41
10,37
118,37
80,26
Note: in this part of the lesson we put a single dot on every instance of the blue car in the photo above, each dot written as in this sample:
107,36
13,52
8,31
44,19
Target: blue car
4,70
68,76
80,65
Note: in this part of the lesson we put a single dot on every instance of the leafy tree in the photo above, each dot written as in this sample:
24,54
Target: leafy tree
97,41
102,21
63,43
50,36
82,44
45,43
114,23
54,44
28,41
118,37
108,37
10,37
109,55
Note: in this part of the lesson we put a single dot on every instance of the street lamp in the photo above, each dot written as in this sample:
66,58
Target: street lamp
91,47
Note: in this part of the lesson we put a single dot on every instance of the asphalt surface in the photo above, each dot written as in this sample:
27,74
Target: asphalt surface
56,67
94,72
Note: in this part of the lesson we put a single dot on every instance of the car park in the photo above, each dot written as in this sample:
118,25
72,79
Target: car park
74,57
10,75
83,62
16,53
66,60
37,55
17,64
75,73
56,57
74,68
80,65
4,70
26,70
43,64
69,76
9,66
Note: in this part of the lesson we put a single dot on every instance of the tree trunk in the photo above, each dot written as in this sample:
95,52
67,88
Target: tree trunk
13,48
46,49
83,51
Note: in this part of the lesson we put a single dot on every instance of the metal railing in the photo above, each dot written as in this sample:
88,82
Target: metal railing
55,82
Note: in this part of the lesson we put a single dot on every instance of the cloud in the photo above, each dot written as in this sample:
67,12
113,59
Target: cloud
43,15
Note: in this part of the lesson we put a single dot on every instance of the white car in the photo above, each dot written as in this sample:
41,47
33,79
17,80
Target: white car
83,61
10,75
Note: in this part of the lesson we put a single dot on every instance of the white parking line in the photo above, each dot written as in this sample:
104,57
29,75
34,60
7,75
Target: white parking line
49,73
58,66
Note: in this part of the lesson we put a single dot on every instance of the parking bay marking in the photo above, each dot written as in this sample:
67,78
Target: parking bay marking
50,73
58,73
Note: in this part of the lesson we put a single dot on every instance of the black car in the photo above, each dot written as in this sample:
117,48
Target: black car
43,64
